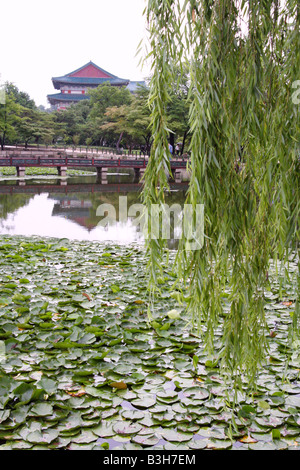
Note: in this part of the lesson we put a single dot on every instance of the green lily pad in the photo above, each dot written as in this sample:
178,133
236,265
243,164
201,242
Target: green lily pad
148,440
42,437
143,402
105,429
198,444
41,409
133,414
219,444
293,401
175,436
85,437
197,393
126,428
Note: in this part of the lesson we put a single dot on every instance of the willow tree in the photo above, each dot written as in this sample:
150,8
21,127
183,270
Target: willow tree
243,59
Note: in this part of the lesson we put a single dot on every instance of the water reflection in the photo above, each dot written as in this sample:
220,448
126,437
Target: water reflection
72,210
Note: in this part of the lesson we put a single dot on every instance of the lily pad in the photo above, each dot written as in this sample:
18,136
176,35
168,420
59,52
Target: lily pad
105,429
126,428
148,440
41,409
42,437
175,436
143,402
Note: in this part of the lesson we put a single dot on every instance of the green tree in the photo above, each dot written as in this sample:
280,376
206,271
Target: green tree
130,122
73,122
178,107
20,97
105,96
243,60
9,117
34,126
102,98
139,119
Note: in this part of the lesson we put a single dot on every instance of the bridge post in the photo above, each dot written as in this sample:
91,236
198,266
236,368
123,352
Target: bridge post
139,173
102,174
177,175
62,171
21,171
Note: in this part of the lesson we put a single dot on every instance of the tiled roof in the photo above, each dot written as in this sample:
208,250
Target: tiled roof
66,97
69,79
59,81
94,65
98,77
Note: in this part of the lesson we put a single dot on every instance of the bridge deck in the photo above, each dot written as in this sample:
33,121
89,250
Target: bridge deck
80,188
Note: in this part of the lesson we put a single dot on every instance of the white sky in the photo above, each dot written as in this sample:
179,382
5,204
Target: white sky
44,39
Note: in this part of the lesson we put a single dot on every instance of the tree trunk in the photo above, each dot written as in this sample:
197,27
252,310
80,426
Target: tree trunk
183,142
119,141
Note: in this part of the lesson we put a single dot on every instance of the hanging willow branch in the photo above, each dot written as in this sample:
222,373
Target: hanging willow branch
243,59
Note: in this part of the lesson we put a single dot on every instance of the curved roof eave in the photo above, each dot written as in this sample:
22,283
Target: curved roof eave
60,81
59,97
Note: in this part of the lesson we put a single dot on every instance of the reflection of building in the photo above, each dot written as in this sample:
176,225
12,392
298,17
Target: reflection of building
74,86
75,210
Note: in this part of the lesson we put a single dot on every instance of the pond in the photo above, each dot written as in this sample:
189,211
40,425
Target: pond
78,208
83,364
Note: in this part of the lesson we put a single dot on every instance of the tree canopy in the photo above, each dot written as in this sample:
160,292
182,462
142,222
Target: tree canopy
243,63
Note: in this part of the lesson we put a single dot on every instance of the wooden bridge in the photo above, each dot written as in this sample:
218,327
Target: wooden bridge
21,159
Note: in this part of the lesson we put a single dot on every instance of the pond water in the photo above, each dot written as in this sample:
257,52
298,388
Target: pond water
78,208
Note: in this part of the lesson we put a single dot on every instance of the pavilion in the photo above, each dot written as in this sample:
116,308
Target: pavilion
74,86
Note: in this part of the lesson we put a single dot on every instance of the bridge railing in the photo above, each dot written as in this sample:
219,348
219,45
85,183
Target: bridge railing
72,161
70,150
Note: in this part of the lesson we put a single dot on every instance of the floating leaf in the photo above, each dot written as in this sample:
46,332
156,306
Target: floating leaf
175,436
41,409
45,437
173,314
219,444
149,440
118,385
126,428
105,429
85,437
145,401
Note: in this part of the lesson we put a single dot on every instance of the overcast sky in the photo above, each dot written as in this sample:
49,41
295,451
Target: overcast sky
45,39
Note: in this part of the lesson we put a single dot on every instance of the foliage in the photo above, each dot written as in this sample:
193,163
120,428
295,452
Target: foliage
20,97
22,121
132,120
178,107
105,96
244,129
34,125
71,123
112,117
9,117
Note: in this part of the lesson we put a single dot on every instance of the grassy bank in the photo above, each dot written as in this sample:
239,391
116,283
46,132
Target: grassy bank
31,171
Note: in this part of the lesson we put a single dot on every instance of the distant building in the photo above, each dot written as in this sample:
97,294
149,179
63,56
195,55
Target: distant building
74,86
